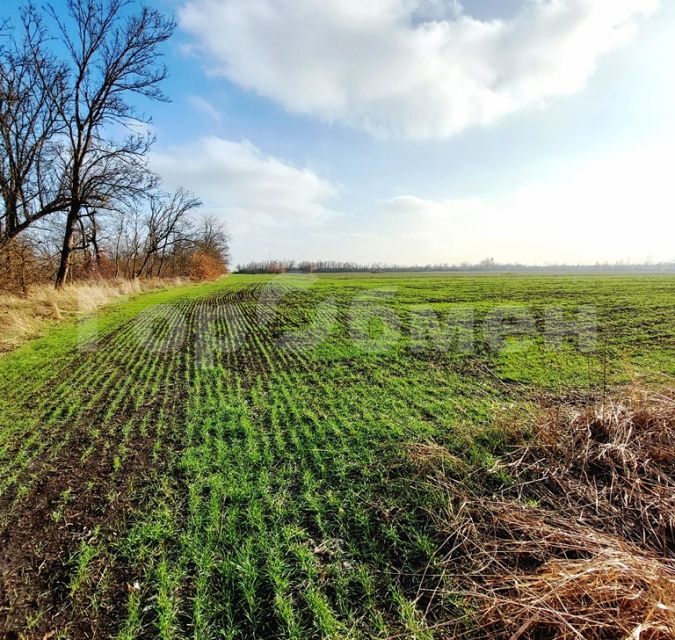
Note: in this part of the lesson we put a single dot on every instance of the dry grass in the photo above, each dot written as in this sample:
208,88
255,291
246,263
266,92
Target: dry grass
613,464
23,318
581,546
531,573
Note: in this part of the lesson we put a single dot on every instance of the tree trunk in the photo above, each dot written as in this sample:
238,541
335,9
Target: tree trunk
12,216
161,263
67,248
149,255
94,243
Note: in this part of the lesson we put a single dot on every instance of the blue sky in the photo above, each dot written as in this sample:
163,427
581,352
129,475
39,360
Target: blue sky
419,131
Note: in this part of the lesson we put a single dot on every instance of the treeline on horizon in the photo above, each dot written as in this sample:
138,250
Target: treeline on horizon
489,265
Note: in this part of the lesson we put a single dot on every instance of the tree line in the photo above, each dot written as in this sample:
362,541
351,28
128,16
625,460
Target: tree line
77,196
487,265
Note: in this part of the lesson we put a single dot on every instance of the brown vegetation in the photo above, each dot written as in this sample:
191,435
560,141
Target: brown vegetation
613,464
579,543
23,317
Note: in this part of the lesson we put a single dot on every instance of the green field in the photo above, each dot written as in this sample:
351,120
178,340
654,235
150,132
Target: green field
228,460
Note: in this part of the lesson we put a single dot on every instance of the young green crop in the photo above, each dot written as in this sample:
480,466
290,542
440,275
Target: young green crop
239,448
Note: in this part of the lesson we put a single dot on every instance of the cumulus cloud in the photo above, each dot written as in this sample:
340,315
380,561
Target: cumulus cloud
250,189
418,68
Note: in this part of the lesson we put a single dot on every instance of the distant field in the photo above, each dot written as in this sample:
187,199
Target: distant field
227,460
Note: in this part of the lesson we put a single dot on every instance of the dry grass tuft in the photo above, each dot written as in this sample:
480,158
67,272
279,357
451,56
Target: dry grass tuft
431,457
612,464
581,546
22,318
530,573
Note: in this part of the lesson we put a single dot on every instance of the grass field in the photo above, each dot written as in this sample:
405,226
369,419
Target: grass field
228,460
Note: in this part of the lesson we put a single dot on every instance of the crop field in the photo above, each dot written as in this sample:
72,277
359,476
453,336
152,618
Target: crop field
229,460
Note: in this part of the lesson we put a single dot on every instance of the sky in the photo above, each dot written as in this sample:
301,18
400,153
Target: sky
424,131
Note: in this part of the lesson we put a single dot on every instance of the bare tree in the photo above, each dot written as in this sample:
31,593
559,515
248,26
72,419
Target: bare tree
112,54
73,169
213,239
30,186
167,225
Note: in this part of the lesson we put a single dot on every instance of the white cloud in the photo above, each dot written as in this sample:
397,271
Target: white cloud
251,190
419,68
613,208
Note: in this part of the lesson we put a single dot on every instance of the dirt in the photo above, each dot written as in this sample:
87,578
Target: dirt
36,551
